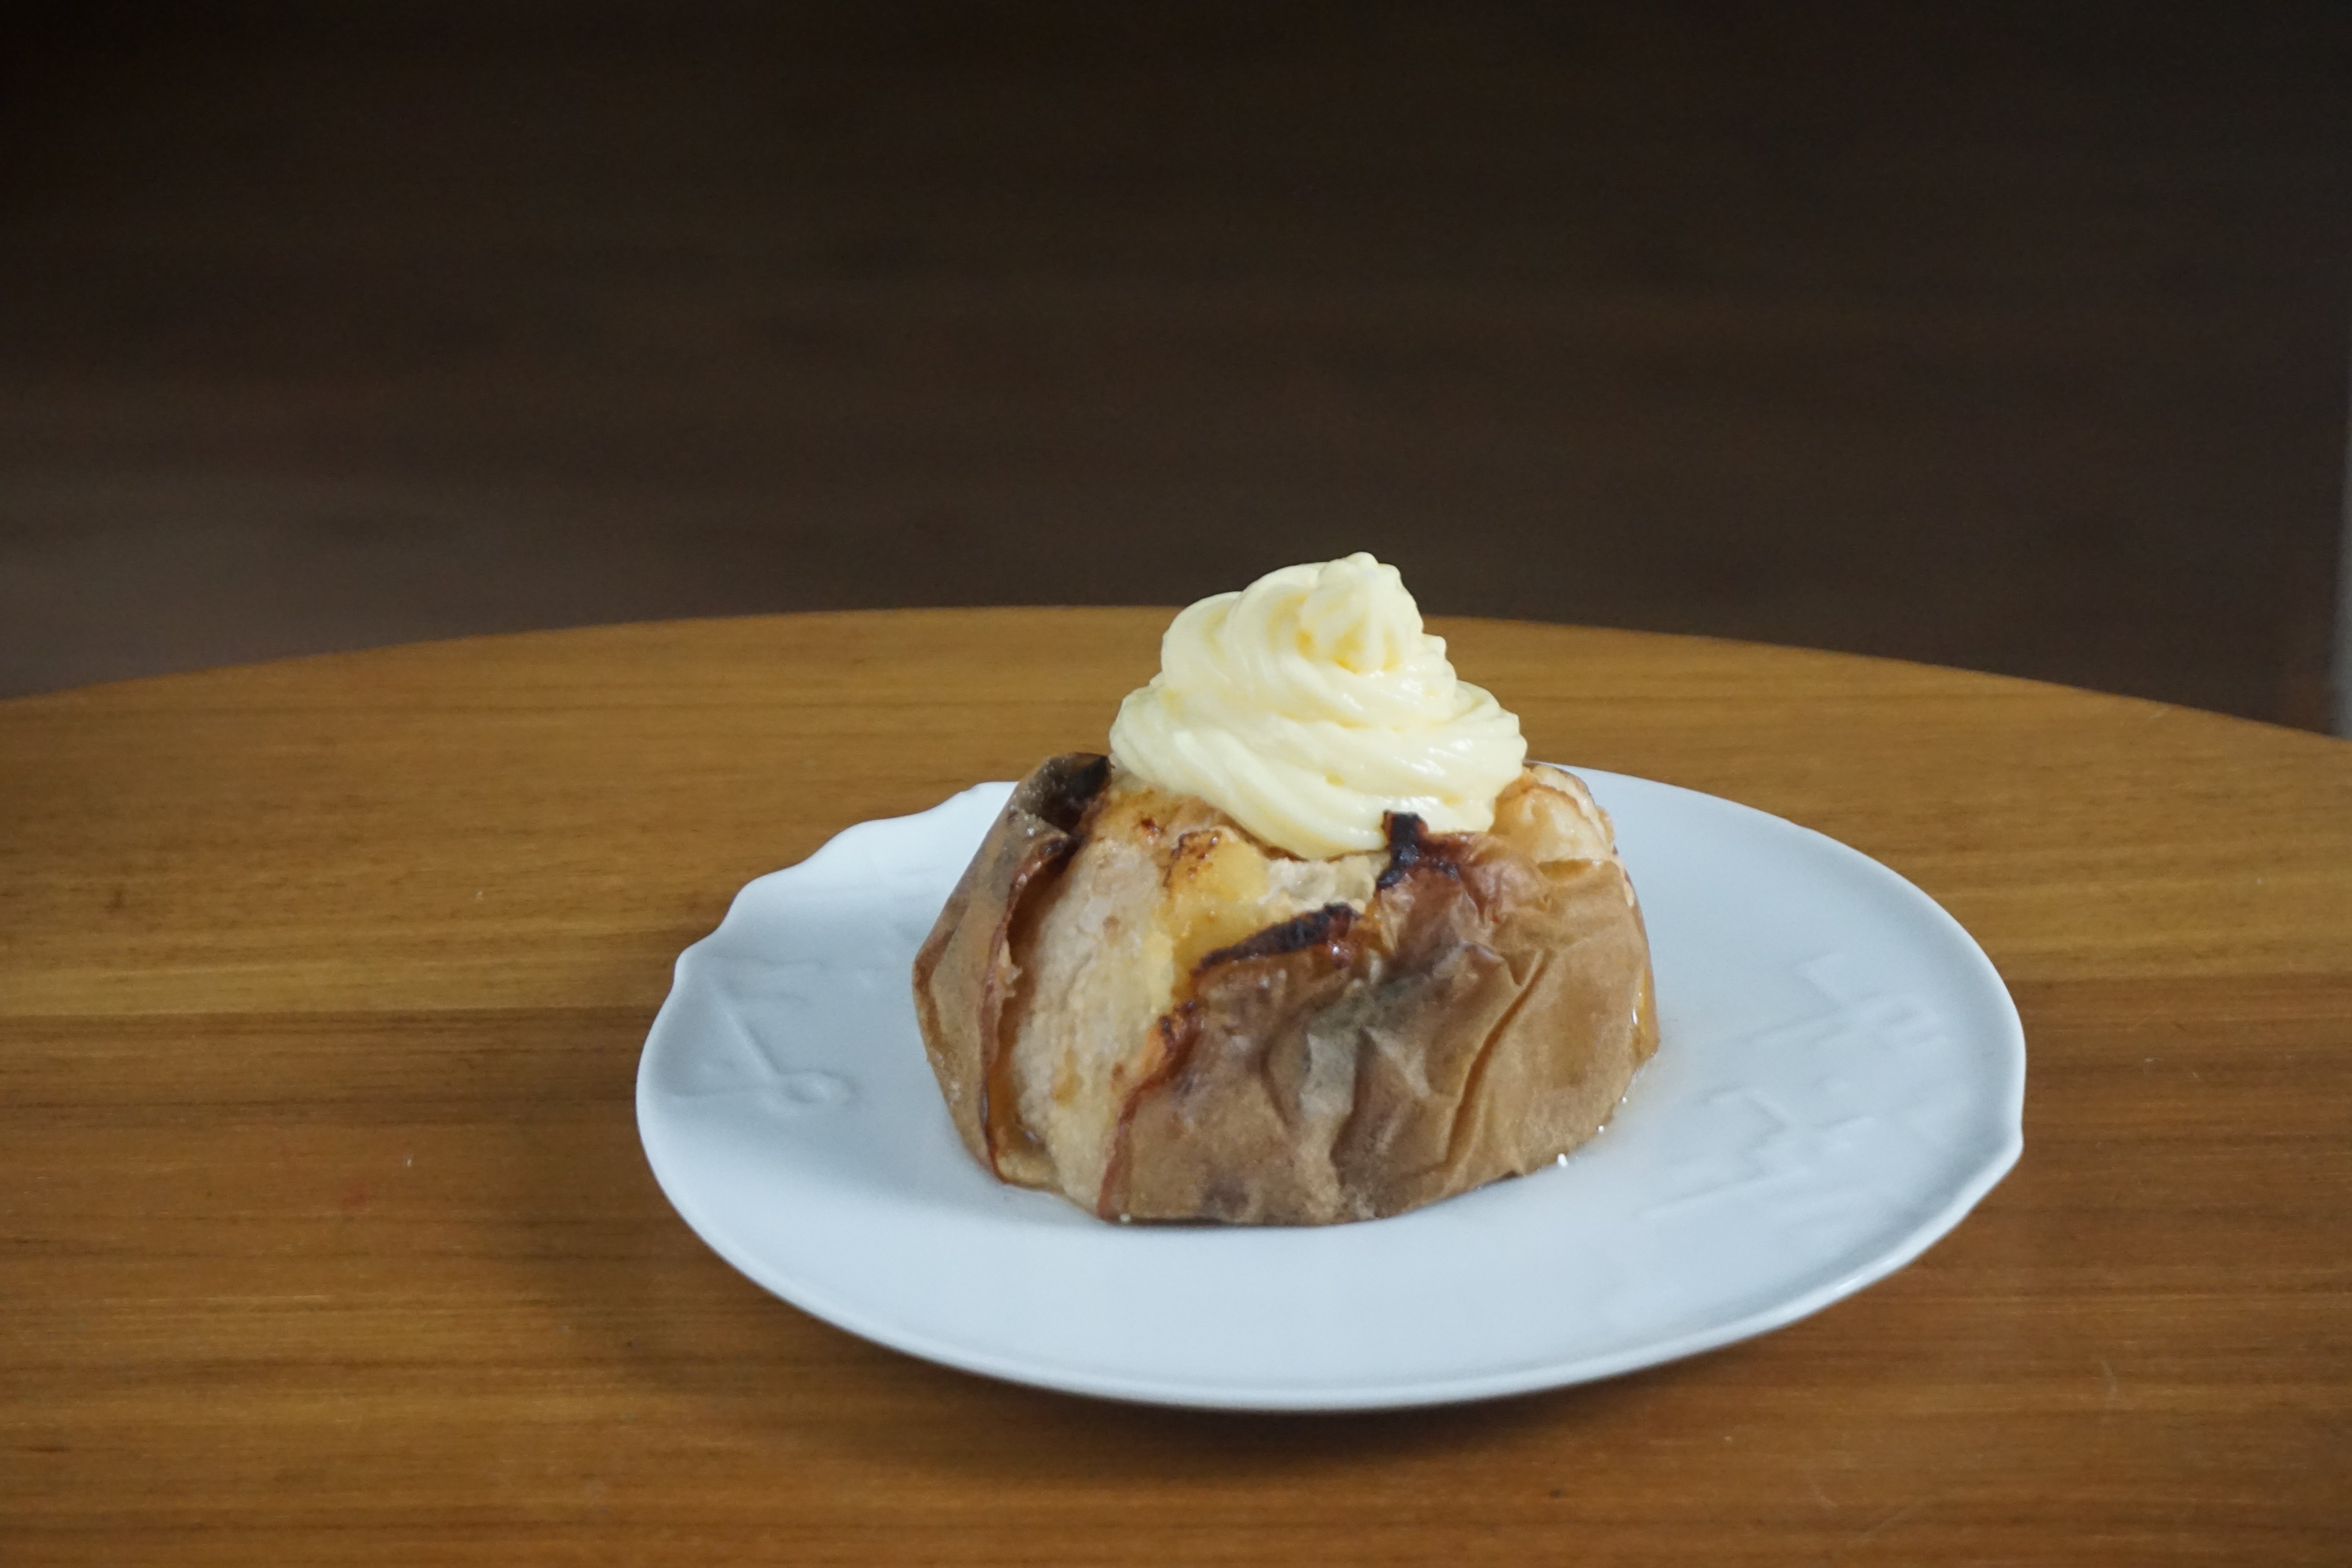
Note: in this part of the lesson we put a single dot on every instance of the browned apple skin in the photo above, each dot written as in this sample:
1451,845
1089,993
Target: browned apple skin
1482,1016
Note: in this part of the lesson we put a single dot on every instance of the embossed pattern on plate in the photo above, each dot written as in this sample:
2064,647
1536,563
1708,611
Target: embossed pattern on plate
1842,1078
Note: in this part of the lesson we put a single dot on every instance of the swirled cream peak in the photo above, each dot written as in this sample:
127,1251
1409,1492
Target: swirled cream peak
1310,704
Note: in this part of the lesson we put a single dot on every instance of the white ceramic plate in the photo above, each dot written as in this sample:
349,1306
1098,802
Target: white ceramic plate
1842,1077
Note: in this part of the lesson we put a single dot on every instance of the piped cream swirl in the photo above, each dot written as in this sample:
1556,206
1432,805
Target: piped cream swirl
1310,704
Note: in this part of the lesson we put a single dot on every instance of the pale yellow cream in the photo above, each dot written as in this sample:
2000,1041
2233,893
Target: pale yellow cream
1310,704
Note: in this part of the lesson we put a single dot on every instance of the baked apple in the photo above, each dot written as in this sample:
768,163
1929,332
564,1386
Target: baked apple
1130,1000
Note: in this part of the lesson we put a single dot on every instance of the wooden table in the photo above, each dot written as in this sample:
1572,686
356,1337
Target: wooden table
325,1237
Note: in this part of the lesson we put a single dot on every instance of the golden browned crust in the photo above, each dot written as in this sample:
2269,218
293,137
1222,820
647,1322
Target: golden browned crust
1477,1011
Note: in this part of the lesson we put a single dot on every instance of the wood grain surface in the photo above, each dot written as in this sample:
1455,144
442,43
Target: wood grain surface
325,1236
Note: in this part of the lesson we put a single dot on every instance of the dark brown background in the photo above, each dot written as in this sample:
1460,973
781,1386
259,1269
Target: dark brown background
2010,337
